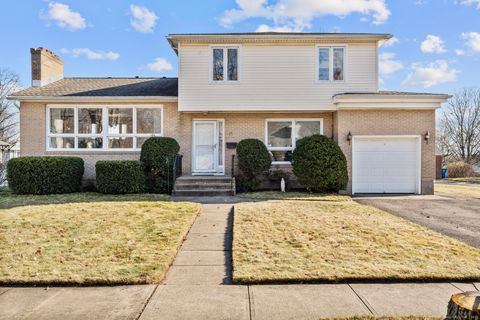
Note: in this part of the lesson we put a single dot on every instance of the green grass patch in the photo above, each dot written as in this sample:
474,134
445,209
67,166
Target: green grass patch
10,200
117,242
277,195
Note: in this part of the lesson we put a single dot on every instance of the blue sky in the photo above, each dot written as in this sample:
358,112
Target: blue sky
437,47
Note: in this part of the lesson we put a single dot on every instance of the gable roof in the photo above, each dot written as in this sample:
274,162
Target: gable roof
104,87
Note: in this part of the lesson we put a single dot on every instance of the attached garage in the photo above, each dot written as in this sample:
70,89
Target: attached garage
386,164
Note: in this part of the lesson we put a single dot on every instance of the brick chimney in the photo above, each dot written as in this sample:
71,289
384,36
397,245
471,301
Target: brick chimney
47,67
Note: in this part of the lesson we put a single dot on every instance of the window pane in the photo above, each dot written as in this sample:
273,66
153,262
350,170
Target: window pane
281,155
220,143
141,141
217,64
120,143
90,143
232,64
120,121
149,120
279,133
62,120
338,55
324,64
90,121
306,129
62,143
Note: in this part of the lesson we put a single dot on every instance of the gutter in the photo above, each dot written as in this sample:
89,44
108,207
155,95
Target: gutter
93,98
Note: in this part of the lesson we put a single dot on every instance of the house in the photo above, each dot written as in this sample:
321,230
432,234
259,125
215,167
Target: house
277,87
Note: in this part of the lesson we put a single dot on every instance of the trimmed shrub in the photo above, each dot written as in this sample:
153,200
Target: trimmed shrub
320,164
45,175
158,155
120,176
254,161
459,169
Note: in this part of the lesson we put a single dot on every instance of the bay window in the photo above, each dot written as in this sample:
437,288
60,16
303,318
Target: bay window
225,64
281,136
330,64
102,127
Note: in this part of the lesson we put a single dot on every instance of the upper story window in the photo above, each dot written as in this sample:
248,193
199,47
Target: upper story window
102,128
330,64
224,64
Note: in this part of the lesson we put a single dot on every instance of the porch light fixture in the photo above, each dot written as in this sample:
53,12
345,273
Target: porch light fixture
349,137
427,136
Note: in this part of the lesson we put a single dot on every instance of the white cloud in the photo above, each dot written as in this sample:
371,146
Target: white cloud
143,20
387,64
390,43
65,17
470,2
459,52
433,44
159,65
298,14
472,40
92,55
267,28
431,74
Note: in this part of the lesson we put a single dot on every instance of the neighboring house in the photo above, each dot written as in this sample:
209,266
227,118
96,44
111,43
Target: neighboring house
276,87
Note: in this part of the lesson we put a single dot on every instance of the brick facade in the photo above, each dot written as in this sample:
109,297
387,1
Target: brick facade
389,122
239,126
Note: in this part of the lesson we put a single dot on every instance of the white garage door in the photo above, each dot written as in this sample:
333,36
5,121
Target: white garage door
385,165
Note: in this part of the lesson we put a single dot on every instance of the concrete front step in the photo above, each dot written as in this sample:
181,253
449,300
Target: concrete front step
189,186
203,192
198,186
203,180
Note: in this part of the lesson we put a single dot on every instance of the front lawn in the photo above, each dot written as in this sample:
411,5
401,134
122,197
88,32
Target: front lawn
466,180
320,241
91,242
10,200
458,190
277,195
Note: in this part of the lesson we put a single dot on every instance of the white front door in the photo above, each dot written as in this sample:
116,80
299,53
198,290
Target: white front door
207,140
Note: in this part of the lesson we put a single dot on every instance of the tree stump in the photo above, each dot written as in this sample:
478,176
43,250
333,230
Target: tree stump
464,306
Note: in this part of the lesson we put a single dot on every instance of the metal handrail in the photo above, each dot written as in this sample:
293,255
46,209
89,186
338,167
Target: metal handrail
232,182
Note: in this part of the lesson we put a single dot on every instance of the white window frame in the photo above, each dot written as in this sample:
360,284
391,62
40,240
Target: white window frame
225,48
105,134
294,138
330,61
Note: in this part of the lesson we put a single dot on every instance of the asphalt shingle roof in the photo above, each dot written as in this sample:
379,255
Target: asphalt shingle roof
105,87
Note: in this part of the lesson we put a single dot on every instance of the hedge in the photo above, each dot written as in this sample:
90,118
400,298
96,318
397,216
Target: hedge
158,155
320,164
254,161
120,176
45,175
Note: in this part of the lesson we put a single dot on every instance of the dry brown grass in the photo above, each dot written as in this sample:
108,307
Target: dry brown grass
92,243
280,241
475,180
277,195
458,190
387,318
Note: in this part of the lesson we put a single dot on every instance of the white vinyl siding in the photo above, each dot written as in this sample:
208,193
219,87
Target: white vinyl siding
272,78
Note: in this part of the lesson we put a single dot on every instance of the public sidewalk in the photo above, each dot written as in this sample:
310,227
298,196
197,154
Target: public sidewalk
198,286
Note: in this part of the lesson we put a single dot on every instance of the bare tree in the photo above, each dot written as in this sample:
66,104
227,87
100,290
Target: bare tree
459,130
8,115
8,109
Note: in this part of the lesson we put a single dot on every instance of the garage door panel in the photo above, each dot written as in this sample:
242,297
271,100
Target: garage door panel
385,165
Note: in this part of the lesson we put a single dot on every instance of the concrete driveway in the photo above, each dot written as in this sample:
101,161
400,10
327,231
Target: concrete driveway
454,216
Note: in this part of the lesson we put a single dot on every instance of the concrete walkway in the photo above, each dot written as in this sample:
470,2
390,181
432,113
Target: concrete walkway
198,286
